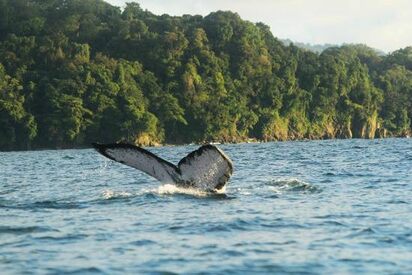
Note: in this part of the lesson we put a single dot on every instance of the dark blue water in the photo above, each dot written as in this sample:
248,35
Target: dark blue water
291,207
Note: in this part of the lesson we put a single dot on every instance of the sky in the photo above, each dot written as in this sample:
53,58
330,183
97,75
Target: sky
382,24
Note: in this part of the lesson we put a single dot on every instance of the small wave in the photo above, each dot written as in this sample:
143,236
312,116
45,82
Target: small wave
57,205
362,232
64,238
235,225
143,242
34,206
86,270
333,223
359,147
24,229
293,185
68,157
329,174
110,194
397,201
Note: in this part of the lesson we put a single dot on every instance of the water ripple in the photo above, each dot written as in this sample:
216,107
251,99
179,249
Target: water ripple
312,207
17,230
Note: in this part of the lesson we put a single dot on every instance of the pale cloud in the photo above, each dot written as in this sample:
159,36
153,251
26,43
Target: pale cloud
382,24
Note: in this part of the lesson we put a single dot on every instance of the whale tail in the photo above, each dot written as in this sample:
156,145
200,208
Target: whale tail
206,168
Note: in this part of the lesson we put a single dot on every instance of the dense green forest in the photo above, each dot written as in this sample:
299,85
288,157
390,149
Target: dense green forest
78,71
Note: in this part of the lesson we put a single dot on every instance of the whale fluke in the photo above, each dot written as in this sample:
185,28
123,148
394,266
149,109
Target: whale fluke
206,168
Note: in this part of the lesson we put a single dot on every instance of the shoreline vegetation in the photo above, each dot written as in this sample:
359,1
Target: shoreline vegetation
82,71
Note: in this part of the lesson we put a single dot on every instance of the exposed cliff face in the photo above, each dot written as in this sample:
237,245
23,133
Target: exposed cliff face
343,128
145,139
282,129
277,128
345,131
330,131
371,126
361,127
381,133
274,128
357,126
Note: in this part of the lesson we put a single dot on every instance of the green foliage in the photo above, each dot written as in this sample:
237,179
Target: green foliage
397,107
17,127
80,71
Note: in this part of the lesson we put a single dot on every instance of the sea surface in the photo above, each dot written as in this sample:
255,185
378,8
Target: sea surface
335,206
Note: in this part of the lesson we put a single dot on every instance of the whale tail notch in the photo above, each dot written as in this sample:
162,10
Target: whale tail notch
206,168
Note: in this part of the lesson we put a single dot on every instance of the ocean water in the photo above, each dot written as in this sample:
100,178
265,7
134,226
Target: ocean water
336,206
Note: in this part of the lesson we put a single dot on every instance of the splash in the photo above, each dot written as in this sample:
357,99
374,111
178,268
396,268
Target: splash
292,185
166,189
109,194
170,189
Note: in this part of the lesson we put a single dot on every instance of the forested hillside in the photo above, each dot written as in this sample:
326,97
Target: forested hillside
78,71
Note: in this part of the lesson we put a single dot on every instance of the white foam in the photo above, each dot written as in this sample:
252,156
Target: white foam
169,189
166,189
291,184
110,194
